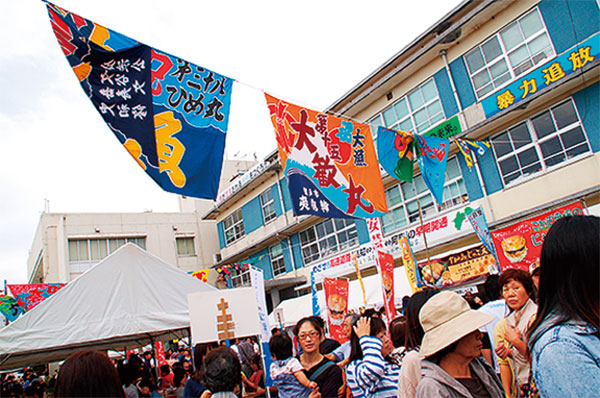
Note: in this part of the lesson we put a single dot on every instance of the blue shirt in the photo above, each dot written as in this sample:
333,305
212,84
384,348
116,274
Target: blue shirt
342,352
566,361
372,376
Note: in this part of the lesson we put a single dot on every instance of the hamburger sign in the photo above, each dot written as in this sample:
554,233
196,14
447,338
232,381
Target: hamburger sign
519,245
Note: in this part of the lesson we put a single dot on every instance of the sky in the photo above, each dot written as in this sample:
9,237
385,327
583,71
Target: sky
57,150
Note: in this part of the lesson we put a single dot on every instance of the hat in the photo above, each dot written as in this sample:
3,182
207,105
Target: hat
446,318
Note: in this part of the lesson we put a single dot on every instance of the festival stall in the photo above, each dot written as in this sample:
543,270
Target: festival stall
131,298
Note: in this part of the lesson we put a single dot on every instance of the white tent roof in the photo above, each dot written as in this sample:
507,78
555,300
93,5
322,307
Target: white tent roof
296,308
128,299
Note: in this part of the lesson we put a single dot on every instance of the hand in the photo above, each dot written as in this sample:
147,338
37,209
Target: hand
362,327
315,393
512,335
313,385
503,351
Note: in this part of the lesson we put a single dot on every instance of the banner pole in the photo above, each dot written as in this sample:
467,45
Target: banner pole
424,234
262,357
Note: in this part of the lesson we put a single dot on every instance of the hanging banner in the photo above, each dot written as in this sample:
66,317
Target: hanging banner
170,115
456,269
396,153
201,274
223,314
386,270
10,308
330,163
159,346
479,224
519,245
469,148
316,309
410,263
257,280
433,161
30,295
336,297
375,233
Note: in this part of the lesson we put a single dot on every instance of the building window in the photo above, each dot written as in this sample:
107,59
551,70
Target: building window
417,111
277,262
267,205
327,238
240,279
234,227
185,246
402,199
509,53
97,249
540,142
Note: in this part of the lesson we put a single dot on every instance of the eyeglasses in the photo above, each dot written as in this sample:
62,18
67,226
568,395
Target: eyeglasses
313,335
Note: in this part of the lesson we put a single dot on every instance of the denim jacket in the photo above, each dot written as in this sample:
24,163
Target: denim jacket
566,360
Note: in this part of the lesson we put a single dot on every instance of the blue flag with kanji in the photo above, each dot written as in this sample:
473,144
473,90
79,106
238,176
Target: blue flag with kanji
467,148
169,114
433,161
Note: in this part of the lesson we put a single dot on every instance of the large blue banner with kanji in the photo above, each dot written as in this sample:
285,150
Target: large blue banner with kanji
169,114
433,161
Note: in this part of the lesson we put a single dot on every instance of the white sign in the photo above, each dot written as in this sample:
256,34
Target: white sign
241,181
223,314
258,283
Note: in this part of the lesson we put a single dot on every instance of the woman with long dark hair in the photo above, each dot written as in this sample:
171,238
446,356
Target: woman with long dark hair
564,339
410,373
369,374
88,374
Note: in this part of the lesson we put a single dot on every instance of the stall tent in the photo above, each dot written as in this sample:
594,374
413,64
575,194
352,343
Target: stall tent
131,298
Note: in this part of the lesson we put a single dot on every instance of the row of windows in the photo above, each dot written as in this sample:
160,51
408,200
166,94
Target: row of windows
96,249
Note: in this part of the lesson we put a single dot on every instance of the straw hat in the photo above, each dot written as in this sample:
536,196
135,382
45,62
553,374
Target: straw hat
446,318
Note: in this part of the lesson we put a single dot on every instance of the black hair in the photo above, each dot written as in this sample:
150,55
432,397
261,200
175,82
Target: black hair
88,374
492,287
280,346
517,275
377,326
398,331
569,272
414,330
221,370
315,321
256,360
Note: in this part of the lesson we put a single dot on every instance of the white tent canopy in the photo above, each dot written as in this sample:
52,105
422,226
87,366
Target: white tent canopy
130,298
296,308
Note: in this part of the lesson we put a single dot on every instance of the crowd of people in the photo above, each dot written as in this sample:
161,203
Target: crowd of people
524,335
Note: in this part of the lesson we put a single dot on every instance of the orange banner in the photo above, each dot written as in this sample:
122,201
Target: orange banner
386,268
336,297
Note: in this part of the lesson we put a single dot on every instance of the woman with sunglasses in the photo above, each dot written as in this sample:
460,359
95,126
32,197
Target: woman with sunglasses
327,375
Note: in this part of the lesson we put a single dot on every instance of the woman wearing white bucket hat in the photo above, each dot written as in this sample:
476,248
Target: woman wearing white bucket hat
453,366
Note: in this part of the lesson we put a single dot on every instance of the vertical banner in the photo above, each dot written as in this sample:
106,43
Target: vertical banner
386,270
336,297
330,163
362,285
258,283
410,263
519,245
433,161
159,346
479,223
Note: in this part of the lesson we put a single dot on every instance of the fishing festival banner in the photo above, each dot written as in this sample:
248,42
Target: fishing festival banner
519,245
336,297
201,274
396,153
433,161
10,309
456,269
469,148
386,270
28,296
330,163
169,114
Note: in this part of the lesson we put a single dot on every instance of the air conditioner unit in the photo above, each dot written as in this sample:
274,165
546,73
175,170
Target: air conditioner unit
217,257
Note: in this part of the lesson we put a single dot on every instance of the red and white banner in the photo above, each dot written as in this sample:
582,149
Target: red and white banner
386,270
160,353
519,245
336,297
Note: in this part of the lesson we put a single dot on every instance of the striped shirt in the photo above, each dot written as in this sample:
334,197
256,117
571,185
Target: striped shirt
372,376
